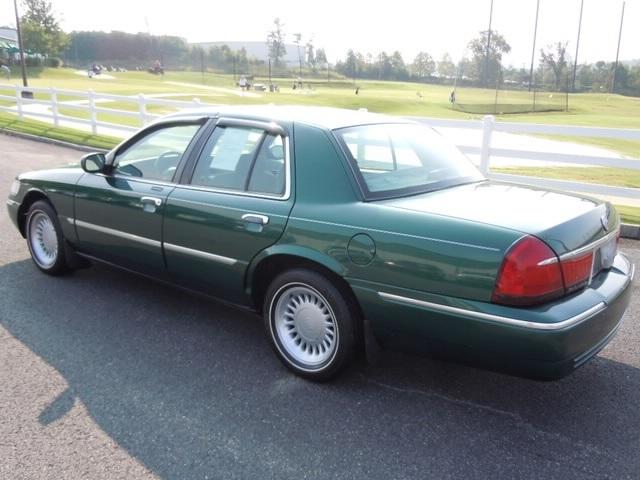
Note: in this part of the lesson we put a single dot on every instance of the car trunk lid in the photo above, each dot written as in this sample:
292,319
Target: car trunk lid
566,222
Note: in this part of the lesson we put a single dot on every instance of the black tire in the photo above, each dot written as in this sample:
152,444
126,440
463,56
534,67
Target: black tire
57,263
325,329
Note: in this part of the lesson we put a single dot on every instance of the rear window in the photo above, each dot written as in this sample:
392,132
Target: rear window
401,159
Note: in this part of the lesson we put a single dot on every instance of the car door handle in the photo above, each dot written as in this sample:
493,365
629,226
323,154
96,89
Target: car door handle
254,218
152,200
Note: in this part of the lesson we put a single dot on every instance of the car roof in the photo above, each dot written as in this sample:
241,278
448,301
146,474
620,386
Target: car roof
324,117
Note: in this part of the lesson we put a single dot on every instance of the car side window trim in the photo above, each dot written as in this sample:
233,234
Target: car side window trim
269,127
111,156
253,160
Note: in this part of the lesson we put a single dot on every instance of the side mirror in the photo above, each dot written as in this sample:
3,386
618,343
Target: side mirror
93,163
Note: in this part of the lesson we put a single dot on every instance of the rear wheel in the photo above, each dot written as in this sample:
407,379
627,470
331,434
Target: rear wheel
310,324
45,239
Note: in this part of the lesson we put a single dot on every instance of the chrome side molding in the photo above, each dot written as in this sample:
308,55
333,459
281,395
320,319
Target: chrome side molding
118,233
200,254
494,318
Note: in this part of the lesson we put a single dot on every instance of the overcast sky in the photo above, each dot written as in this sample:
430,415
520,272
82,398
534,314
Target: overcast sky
409,26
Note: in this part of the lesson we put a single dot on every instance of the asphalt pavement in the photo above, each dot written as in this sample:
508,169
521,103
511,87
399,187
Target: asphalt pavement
107,375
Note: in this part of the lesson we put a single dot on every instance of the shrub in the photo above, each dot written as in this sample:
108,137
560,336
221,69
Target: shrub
54,62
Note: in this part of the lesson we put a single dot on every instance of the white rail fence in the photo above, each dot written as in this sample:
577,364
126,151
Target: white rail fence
488,125
90,102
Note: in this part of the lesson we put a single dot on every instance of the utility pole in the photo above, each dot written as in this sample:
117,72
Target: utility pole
615,67
235,74
533,49
298,40
20,46
575,61
202,62
486,60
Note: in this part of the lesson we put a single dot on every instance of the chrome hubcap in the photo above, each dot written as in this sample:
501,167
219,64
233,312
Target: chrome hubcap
43,240
305,325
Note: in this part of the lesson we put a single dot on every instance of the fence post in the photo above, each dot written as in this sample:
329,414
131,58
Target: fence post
142,106
92,112
19,102
485,151
54,106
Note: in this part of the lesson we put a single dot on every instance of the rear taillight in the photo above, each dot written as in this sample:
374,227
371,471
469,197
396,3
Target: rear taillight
530,274
576,271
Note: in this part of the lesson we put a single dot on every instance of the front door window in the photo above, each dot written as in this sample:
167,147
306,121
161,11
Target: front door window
157,155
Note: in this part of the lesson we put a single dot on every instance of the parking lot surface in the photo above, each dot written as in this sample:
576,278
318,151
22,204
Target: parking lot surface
107,375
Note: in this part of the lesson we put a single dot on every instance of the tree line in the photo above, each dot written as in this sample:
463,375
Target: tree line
554,71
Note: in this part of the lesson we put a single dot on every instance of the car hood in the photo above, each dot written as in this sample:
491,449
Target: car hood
71,171
565,221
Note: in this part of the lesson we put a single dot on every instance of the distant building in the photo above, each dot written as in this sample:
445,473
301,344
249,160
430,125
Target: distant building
260,50
8,44
8,38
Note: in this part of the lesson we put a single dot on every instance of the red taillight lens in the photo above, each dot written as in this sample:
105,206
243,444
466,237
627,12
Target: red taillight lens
530,274
577,271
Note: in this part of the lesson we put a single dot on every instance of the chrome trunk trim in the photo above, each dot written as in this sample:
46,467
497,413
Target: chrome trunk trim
591,246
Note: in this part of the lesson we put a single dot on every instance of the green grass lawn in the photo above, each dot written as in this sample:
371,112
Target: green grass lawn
620,177
629,214
400,98
10,123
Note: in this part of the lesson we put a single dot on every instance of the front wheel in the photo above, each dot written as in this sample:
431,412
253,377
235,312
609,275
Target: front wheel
45,239
311,325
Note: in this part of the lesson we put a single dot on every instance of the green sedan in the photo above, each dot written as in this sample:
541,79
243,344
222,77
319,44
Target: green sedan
346,230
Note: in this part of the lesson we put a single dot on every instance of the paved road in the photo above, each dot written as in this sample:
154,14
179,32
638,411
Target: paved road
105,375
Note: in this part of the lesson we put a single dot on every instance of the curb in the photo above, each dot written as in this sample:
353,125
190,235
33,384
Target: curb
630,231
51,141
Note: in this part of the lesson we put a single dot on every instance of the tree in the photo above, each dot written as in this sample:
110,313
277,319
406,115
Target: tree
423,65
40,29
398,67
555,58
384,67
446,67
351,64
321,57
275,41
311,56
487,67
465,69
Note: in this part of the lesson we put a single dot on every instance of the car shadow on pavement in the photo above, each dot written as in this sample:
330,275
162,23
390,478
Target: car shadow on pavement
191,389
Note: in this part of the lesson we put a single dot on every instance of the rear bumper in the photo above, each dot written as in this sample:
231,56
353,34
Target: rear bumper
543,342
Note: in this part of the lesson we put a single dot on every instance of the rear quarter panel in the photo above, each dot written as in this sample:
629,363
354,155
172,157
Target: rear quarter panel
407,249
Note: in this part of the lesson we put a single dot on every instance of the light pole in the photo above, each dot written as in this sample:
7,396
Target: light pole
298,40
485,80
615,67
22,63
575,61
533,49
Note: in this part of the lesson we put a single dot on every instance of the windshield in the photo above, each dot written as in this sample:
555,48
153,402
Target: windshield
401,159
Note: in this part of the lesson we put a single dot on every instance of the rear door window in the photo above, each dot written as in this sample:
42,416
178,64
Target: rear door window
242,159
